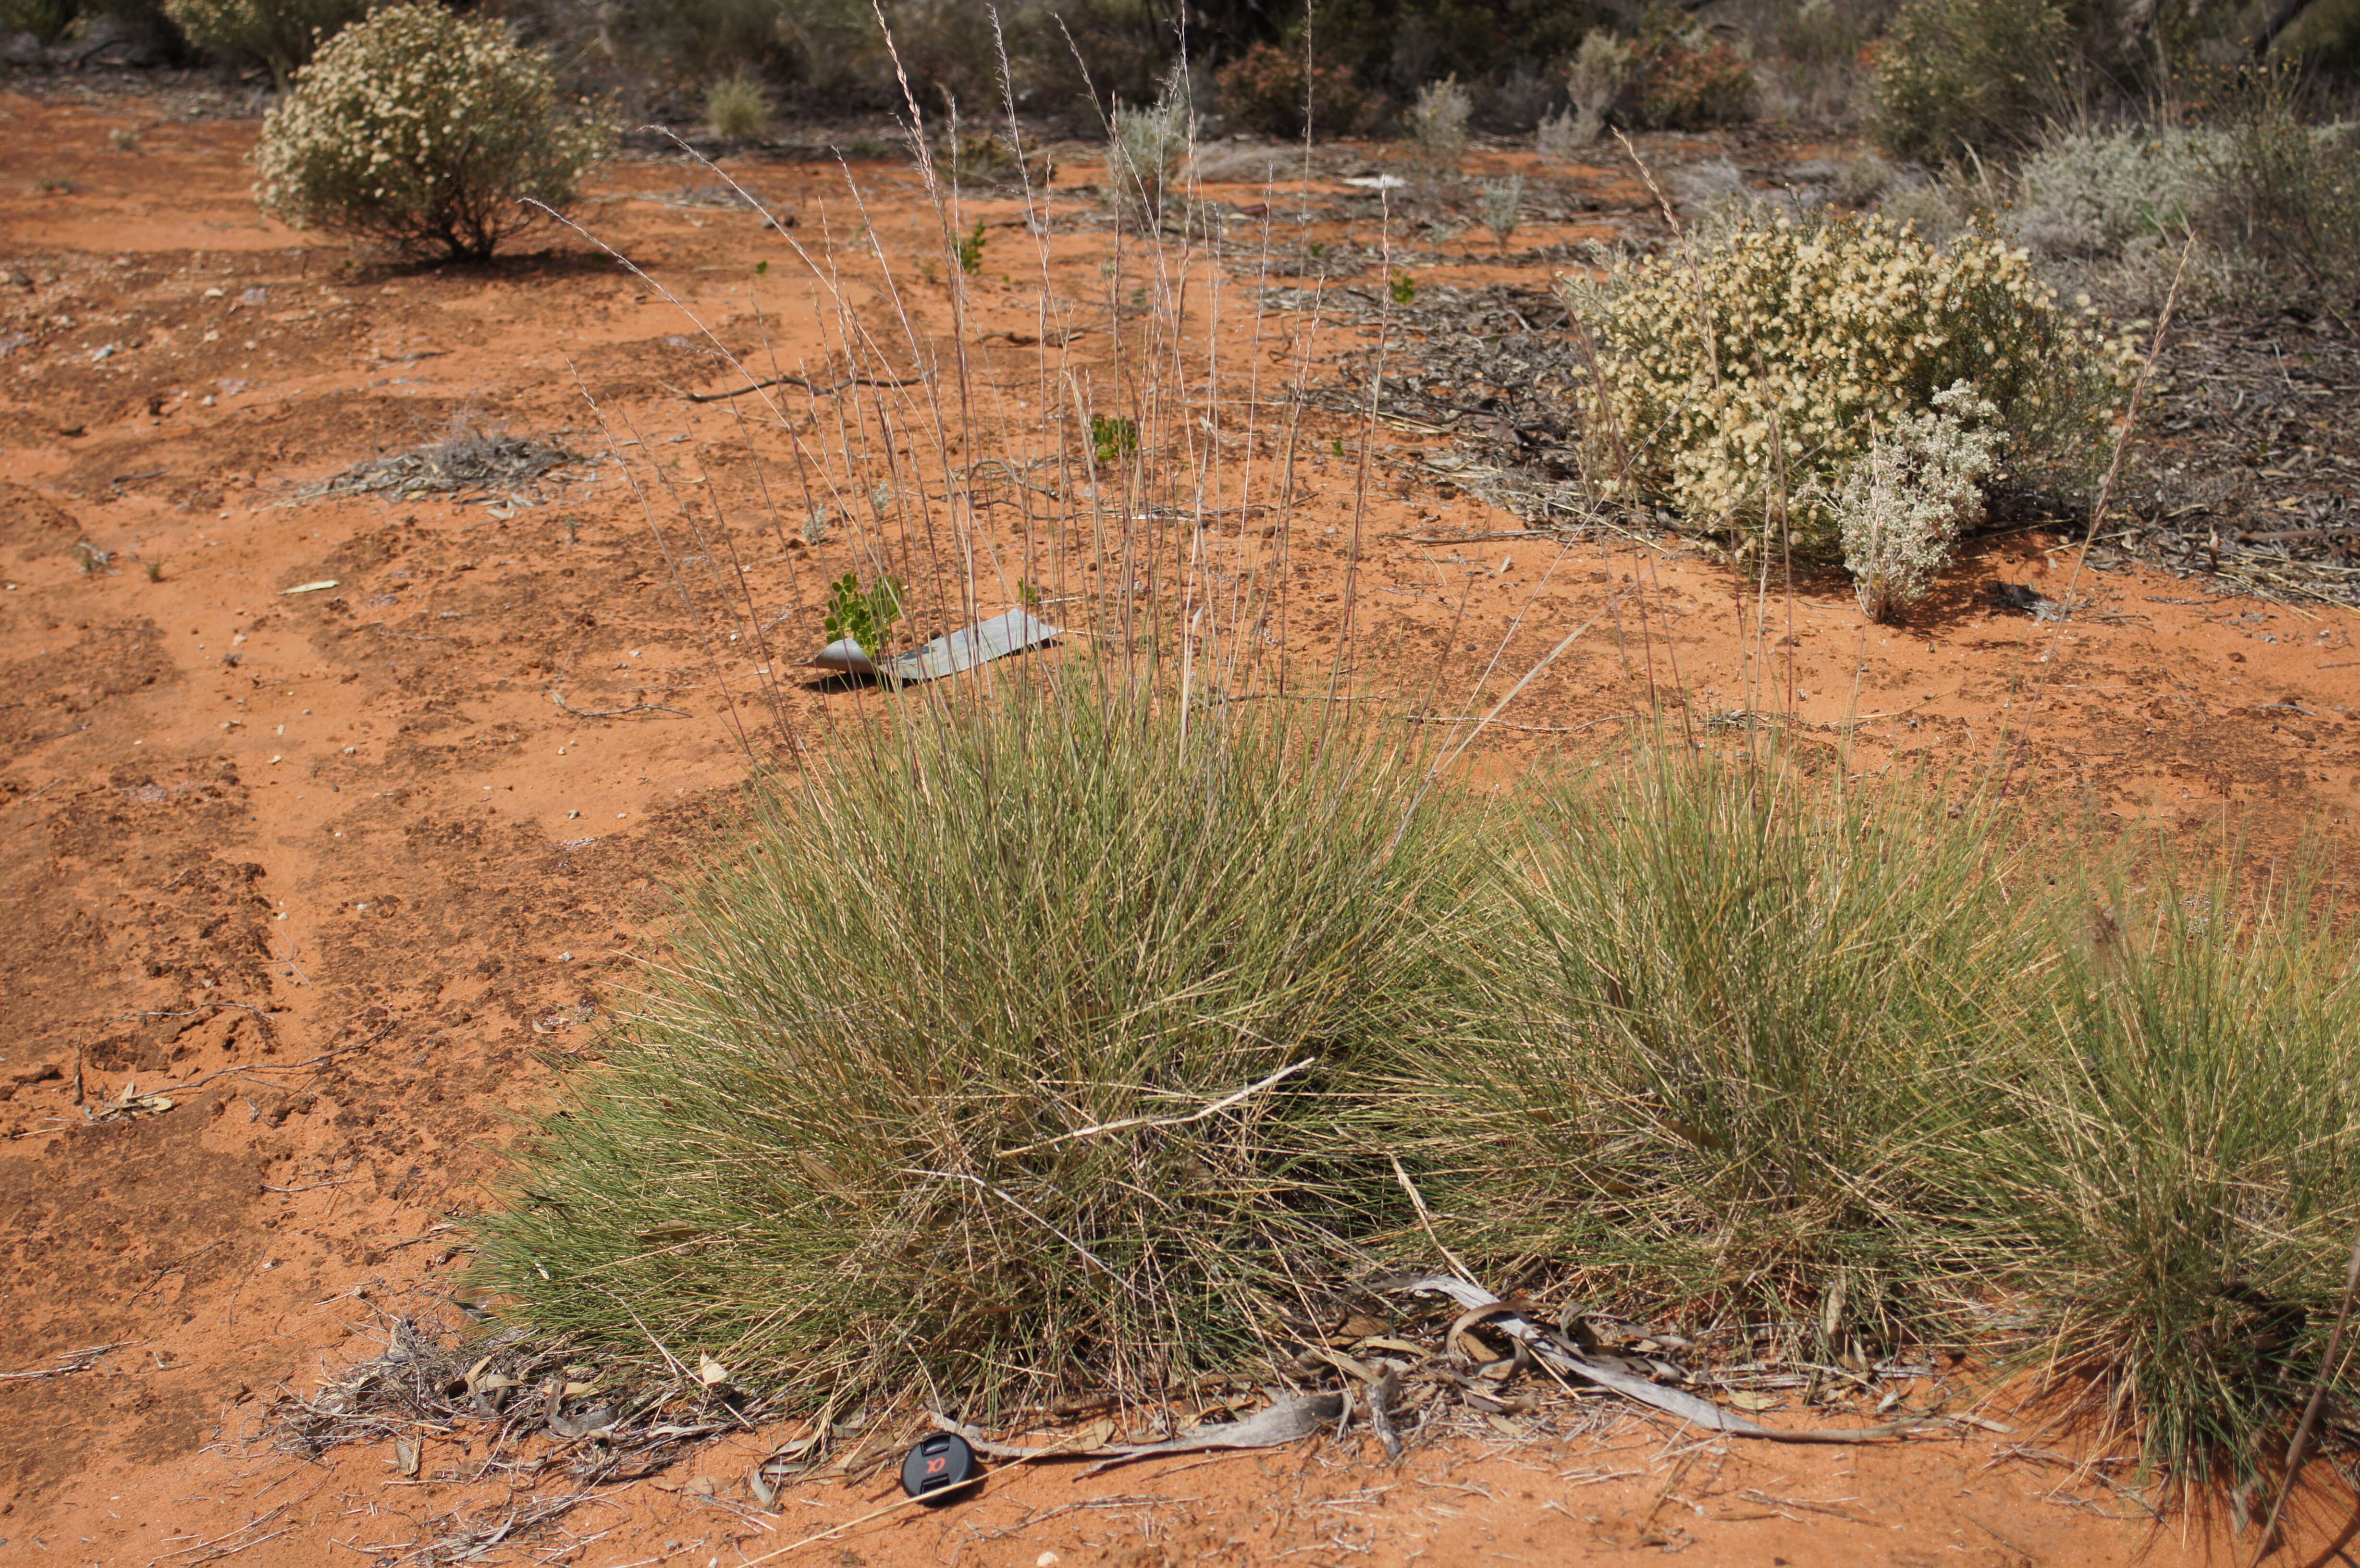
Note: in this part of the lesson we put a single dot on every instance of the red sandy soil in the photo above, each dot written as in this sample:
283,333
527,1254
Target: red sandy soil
345,843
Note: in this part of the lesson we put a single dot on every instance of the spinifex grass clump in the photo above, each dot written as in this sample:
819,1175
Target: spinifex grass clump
2182,1165
1744,1017
922,1104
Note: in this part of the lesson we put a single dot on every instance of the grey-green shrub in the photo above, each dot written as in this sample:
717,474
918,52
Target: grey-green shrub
427,130
1436,123
1954,77
2091,193
846,1144
282,34
1146,149
1907,501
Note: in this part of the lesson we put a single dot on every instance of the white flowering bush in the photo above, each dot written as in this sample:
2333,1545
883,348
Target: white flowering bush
1904,506
427,131
1741,377
282,34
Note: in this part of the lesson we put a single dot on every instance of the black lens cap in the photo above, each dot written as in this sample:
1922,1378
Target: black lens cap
941,1459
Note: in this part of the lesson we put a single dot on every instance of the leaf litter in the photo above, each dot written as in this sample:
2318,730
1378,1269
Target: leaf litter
1399,1358
465,458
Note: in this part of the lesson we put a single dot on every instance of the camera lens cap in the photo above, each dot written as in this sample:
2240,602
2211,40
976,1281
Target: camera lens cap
941,1459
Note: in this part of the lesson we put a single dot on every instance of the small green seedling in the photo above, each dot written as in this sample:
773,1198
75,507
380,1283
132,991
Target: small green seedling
1404,289
970,251
1339,446
761,269
1029,595
1113,438
154,572
866,616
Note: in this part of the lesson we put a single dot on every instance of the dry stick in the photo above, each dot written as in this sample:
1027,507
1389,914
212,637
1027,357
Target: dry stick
1504,725
893,1507
1198,1114
1517,689
806,384
2299,1449
2114,468
1425,1219
559,698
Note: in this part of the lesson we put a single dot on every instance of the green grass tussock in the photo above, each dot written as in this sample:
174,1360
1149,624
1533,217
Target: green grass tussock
1746,1015
1064,1038
2181,1170
846,1144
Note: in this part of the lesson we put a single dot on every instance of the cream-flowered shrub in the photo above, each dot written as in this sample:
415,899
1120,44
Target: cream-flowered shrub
427,131
1742,375
1904,505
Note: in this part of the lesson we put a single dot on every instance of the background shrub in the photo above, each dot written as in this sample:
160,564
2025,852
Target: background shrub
2088,194
1740,377
1395,46
424,130
1146,148
1436,123
282,33
1958,76
842,1148
1816,45
1594,80
2286,194
46,20
736,108
1686,78
1267,90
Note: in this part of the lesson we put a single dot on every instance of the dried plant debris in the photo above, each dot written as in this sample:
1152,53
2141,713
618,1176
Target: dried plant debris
1397,1358
540,1412
2250,460
467,459
1495,368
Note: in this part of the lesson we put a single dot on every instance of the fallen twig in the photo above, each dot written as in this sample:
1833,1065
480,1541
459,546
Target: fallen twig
70,1362
1504,725
805,383
2298,1450
1198,1115
559,698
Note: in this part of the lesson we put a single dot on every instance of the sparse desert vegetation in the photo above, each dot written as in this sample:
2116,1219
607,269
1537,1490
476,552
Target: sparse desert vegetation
1682,763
